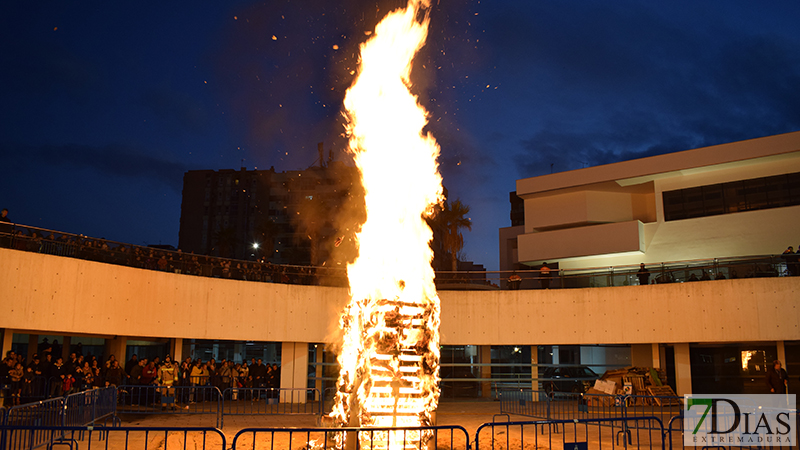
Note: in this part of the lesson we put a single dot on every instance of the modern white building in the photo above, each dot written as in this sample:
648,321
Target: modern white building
731,200
734,200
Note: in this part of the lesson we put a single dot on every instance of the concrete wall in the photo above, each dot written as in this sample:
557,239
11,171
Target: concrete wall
569,209
763,232
71,296
604,239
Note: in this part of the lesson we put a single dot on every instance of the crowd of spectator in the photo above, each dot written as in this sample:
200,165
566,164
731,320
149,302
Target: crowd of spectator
175,261
101,250
792,259
47,375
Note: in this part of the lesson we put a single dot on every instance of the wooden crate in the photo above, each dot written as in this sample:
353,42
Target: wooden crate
664,391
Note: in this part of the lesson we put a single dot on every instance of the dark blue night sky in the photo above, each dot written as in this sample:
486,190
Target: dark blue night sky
104,105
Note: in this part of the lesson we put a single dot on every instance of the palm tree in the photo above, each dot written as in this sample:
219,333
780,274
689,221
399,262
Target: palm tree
447,225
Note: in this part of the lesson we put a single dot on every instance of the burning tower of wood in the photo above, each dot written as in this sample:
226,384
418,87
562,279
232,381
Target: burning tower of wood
390,354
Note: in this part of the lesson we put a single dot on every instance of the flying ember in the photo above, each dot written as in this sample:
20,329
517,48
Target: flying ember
390,354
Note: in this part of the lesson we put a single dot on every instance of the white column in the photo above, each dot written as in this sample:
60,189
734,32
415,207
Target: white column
8,338
319,372
294,371
781,354
535,369
177,349
656,356
486,371
683,369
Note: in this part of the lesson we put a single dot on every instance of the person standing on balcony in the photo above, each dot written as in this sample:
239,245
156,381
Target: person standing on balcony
544,273
5,228
791,259
777,378
643,274
514,281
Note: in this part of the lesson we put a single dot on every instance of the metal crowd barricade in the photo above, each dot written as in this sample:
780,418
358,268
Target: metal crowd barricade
525,403
603,406
89,407
560,405
3,415
37,389
151,399
328,399
105,404
78,409
565,405
124,438
671,431
271,401
47,413
438,437
663,407
673,436
636,432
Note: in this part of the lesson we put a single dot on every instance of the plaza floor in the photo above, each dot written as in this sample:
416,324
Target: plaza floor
467,414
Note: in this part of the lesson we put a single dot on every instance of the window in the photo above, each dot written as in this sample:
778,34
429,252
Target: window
735,196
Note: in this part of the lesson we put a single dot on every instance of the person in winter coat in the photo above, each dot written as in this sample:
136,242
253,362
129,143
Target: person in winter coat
777,378
167,375
114,374
149,373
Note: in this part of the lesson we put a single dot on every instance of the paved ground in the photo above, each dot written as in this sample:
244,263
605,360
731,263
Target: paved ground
469,415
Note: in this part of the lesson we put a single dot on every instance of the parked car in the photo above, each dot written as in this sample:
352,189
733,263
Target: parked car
568,379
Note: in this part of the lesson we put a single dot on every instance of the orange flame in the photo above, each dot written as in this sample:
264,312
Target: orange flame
390,356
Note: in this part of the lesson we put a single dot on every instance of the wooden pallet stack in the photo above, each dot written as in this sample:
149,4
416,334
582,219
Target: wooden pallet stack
641,382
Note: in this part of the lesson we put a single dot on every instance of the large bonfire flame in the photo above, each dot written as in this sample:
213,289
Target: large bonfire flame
390,355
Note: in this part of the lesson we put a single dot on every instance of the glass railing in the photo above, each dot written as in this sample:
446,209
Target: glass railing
40,240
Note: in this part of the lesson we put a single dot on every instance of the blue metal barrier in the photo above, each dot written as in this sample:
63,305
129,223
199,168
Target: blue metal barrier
663,407
636,432
123,438
673,436
271,401
47,413
105,404
89,407
670,444
439,437
37,389
3,416
565,405
78,409
171,400
525,403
